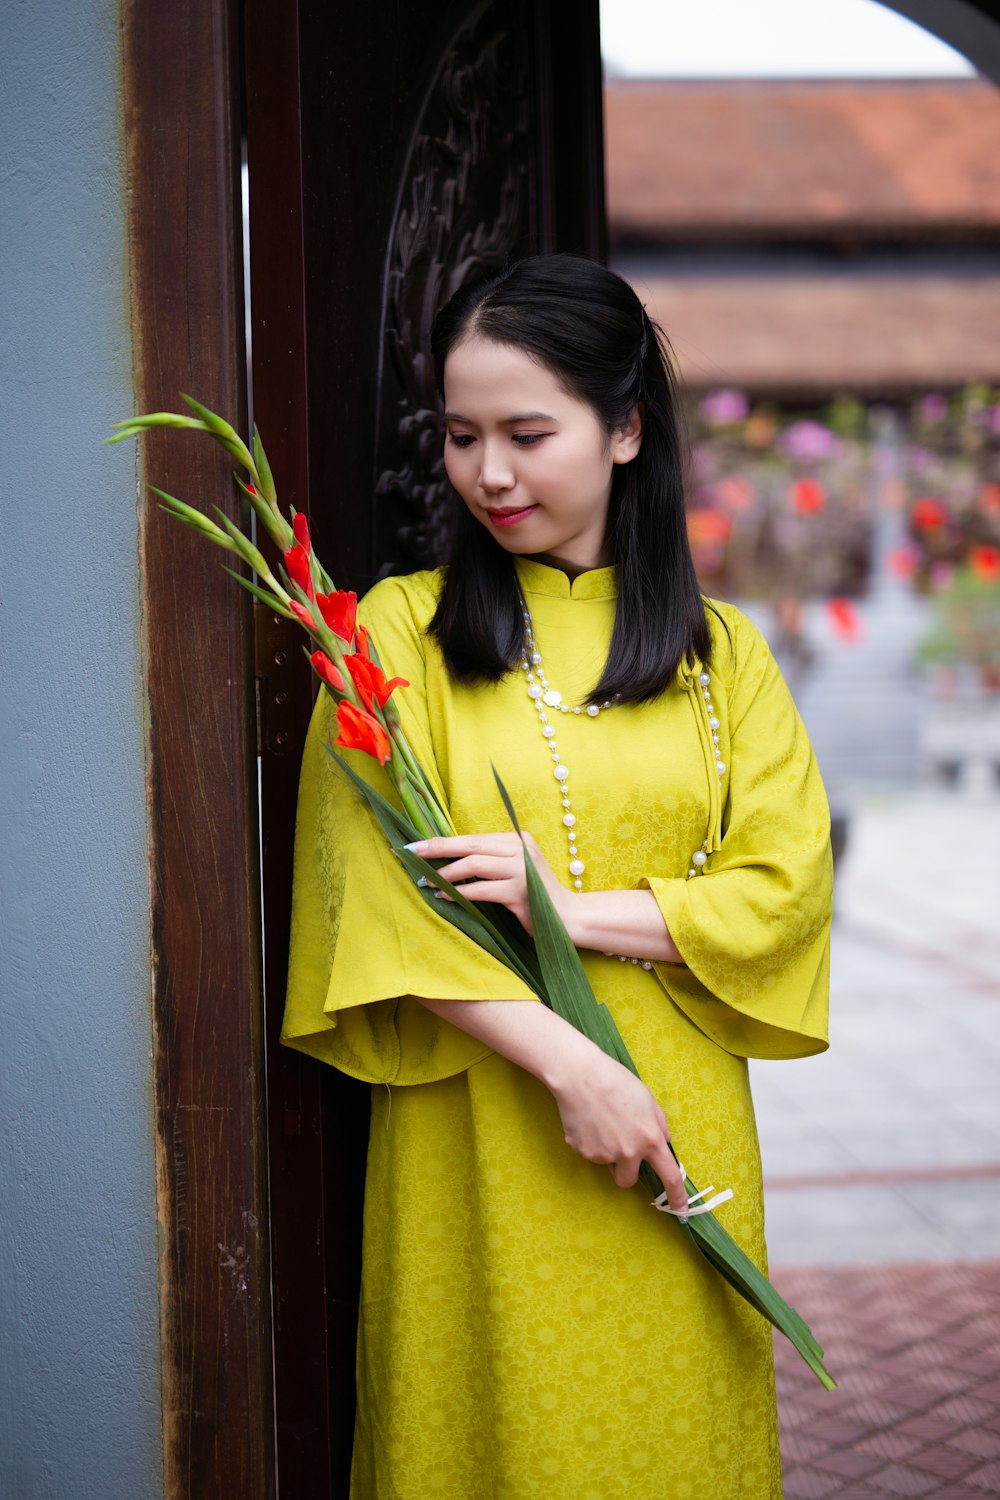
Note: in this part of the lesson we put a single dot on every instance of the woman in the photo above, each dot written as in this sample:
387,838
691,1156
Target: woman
528,1329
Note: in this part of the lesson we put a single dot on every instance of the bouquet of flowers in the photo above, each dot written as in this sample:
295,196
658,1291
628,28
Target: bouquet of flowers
347,664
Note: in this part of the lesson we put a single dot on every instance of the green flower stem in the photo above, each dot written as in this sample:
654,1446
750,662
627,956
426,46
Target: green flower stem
416,776
413,808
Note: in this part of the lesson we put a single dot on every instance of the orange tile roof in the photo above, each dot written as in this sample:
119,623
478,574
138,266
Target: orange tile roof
790,335
779,159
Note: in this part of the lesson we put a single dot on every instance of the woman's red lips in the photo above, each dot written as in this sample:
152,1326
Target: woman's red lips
508,515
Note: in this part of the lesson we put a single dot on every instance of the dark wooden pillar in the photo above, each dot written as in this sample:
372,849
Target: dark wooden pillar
182,94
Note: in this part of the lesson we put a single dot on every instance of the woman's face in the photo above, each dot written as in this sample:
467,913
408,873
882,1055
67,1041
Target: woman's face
532,463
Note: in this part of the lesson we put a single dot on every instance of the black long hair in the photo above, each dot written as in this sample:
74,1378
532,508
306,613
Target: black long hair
588,327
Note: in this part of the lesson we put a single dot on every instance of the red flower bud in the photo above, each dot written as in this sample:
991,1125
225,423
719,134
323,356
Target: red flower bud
297,567
370,681
340,611
361,636
327,671
252,488
302,614
360,731
300,529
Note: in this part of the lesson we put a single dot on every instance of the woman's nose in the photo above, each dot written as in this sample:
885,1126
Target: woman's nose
494,470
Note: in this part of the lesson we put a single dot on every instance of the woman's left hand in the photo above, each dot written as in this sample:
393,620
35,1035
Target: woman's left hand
490,867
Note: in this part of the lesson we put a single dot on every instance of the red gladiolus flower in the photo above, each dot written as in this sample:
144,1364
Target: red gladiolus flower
808,497
302,614
340,611
361,636
370,681
300,530
297,567
360,731
928,514
252,488
326,669
985,563
844,619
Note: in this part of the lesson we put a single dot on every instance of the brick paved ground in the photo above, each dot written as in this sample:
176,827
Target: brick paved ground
882,1170
916,1352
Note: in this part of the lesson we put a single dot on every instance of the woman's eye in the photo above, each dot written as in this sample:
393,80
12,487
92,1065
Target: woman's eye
526,438
460,439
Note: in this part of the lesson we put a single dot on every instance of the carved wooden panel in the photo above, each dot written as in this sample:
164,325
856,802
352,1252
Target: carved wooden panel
464,208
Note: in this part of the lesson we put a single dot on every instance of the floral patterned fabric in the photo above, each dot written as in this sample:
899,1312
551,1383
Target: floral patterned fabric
527,1328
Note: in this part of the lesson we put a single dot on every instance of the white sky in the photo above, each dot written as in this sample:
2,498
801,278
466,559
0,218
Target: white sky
770,39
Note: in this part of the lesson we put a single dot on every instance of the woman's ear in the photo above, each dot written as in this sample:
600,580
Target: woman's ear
628,439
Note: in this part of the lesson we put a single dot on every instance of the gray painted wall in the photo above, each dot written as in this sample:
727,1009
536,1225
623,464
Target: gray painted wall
79,1357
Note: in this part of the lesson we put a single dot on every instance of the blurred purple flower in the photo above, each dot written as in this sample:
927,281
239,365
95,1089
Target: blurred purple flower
932,409
704,462
809,440
724,408
919,461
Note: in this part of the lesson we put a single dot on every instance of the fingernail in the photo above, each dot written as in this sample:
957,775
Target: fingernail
420,847
423,881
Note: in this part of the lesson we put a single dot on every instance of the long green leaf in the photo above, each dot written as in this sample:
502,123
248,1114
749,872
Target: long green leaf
135,426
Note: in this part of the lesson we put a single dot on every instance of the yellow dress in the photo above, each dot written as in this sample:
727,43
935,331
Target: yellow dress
528,1330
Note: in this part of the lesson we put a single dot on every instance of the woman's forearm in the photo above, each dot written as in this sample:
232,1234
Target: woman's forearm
524,1031
626,922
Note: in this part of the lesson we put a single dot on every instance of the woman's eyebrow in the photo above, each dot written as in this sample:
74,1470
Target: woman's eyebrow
525,416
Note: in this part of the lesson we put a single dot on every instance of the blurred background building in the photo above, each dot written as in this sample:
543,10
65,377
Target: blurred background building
824,255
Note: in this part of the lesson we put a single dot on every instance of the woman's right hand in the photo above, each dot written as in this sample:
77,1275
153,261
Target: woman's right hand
610,1117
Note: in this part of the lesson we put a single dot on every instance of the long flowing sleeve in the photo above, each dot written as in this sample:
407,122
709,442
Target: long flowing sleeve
754,928
363,940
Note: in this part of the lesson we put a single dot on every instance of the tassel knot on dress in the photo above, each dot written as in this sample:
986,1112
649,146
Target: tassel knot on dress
528,1330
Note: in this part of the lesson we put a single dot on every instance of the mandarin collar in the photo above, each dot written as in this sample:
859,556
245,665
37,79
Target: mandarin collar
539,578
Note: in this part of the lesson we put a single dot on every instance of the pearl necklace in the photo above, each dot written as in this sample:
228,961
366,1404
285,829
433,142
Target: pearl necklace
544,696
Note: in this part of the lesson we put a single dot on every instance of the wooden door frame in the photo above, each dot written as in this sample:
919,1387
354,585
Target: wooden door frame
182,90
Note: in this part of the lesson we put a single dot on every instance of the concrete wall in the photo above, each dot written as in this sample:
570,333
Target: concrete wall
79,1358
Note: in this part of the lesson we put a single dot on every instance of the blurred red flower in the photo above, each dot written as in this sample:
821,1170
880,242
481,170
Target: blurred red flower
807,496
985,563
844,619
734,493
928,514
902,561
708,526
